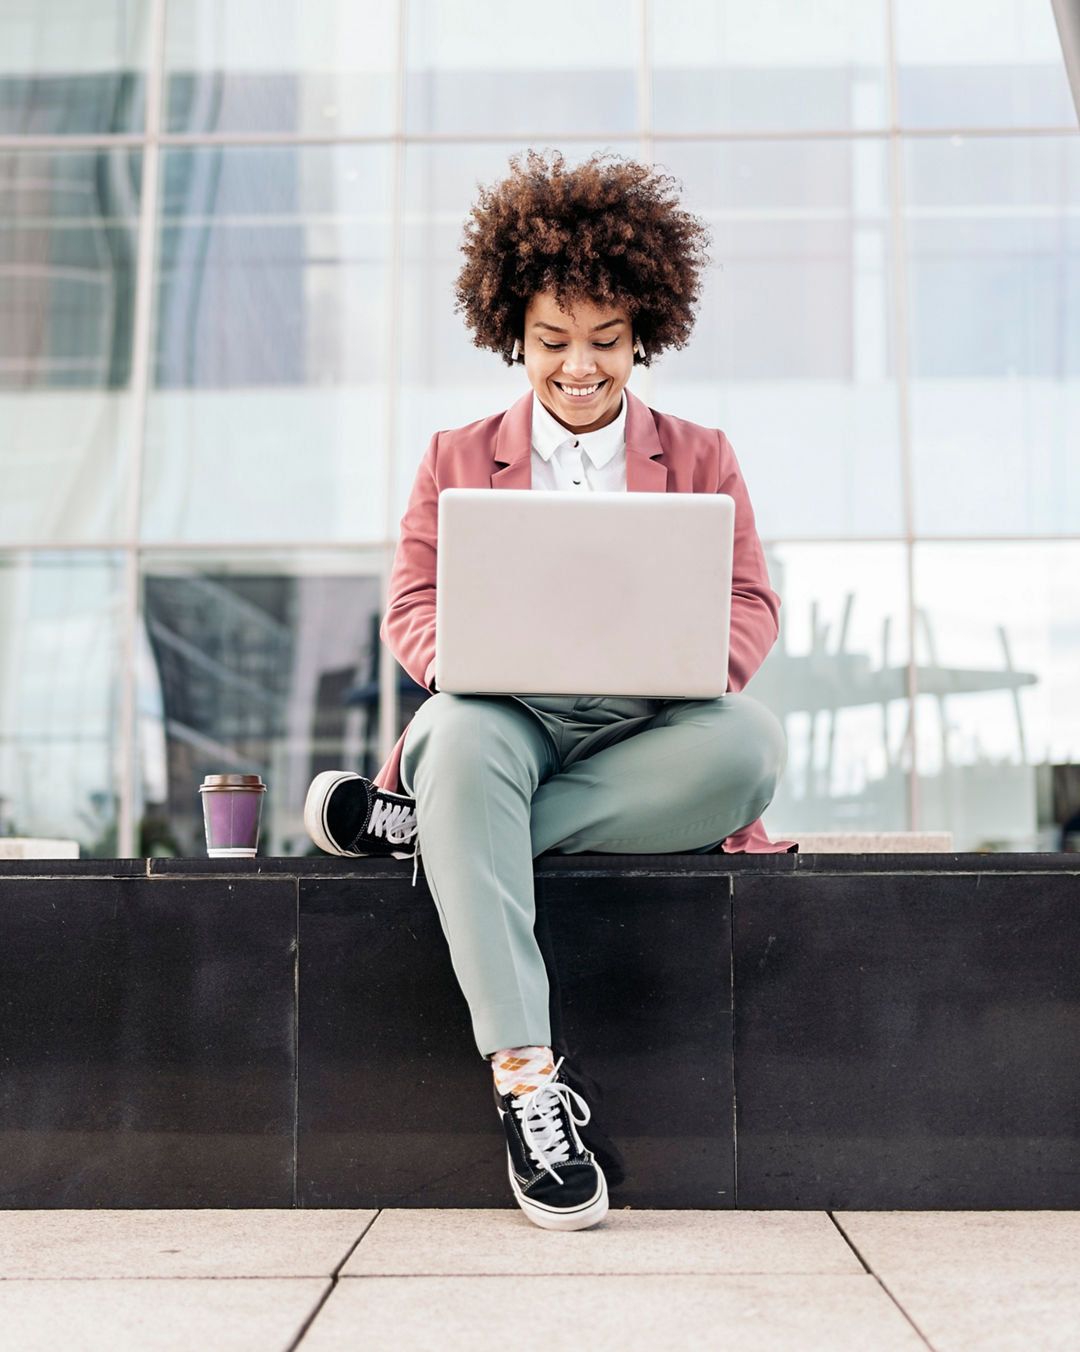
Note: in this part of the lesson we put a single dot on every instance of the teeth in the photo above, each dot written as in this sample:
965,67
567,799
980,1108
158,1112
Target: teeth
579,391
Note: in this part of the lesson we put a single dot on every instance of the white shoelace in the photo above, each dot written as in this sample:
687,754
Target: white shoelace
538,1113
395,822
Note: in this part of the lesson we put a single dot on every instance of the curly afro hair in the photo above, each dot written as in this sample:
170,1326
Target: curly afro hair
610,231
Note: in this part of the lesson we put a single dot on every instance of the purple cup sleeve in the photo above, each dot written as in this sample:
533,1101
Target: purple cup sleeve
232,819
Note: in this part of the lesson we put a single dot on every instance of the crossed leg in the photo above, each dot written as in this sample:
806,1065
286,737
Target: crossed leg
491,793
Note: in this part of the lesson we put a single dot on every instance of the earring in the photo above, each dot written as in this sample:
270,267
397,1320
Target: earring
515,352
639,349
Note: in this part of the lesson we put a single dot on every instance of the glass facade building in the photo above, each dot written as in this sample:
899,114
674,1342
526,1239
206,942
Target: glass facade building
228,235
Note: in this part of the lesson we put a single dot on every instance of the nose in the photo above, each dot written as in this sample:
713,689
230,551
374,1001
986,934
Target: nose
578,361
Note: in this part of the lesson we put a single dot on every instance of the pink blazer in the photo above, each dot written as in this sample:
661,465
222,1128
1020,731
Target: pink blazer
663,455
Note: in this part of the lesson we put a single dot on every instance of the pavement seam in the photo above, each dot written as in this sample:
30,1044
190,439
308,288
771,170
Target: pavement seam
335,1277
871,1273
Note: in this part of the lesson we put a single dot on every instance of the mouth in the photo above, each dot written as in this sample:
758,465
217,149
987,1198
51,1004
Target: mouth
580,391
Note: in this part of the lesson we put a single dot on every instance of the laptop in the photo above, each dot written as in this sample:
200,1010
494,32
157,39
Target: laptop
622,594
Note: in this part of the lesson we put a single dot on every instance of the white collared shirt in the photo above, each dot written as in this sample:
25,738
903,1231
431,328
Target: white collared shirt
578,462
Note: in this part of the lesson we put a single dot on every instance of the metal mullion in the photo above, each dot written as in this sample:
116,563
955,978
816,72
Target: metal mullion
194,139
775,540
644,82
380,546
387,665
644,380
140,383
903,397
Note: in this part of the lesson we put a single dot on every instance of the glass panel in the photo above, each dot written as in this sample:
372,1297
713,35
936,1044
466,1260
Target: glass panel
59,697
73,67
980,63
771,65
256,665
480,66
68,231
792,355
324,68
993,243
838,679
998,646
267,420
446,381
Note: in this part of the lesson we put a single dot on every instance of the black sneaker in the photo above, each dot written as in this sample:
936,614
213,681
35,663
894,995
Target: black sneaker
347,814
556,1181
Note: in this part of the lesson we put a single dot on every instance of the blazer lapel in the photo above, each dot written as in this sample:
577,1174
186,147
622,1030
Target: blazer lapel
513,446
644,472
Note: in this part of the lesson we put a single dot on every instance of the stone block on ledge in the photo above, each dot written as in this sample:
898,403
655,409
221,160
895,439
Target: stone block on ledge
26,847
874,842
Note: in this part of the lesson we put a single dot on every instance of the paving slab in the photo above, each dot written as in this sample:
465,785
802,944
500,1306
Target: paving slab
978,1281
613,1314
493,1242
964,1313
1002,1244
211,1243
157,1315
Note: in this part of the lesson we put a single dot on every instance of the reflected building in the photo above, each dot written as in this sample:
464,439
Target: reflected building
230,236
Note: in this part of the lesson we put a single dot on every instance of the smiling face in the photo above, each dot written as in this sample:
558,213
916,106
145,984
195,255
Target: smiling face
578,362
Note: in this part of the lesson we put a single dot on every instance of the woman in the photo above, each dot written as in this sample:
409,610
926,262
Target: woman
578,274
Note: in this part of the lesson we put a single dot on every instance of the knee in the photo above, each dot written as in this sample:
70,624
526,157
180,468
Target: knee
762,746
449,725
739,747
459,735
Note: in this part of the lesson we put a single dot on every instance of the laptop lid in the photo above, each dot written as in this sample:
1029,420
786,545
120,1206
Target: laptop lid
583,594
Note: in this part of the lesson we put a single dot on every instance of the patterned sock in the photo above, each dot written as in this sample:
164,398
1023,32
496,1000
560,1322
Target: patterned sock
520,1070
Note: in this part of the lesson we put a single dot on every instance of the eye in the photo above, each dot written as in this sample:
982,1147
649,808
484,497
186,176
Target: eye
551,347
606,345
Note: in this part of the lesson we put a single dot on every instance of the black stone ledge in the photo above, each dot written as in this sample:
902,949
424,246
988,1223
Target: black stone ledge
576,865
975,862
905,1042
73,868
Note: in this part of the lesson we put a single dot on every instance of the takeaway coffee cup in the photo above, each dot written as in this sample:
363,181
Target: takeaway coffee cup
231,808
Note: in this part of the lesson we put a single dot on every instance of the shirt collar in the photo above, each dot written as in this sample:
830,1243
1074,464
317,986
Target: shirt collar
600,446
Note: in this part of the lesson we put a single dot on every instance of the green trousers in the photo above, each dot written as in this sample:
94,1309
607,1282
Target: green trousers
498,781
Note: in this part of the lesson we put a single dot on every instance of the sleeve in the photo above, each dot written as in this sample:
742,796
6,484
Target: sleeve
408,626
755,607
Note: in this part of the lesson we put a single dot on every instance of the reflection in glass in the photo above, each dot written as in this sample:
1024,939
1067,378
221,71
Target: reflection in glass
298,372
479,66
730,66
980,63
267,417
71,69
68,227
838,680
792,354
59,697
252,668
281,66
998,646
993,241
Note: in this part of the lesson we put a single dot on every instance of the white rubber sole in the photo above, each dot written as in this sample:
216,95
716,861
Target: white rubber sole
582,1217
318,795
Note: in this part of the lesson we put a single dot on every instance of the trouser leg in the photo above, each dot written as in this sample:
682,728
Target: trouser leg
473,765
697,772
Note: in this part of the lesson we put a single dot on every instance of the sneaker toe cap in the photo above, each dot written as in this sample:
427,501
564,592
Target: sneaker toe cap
577,1184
